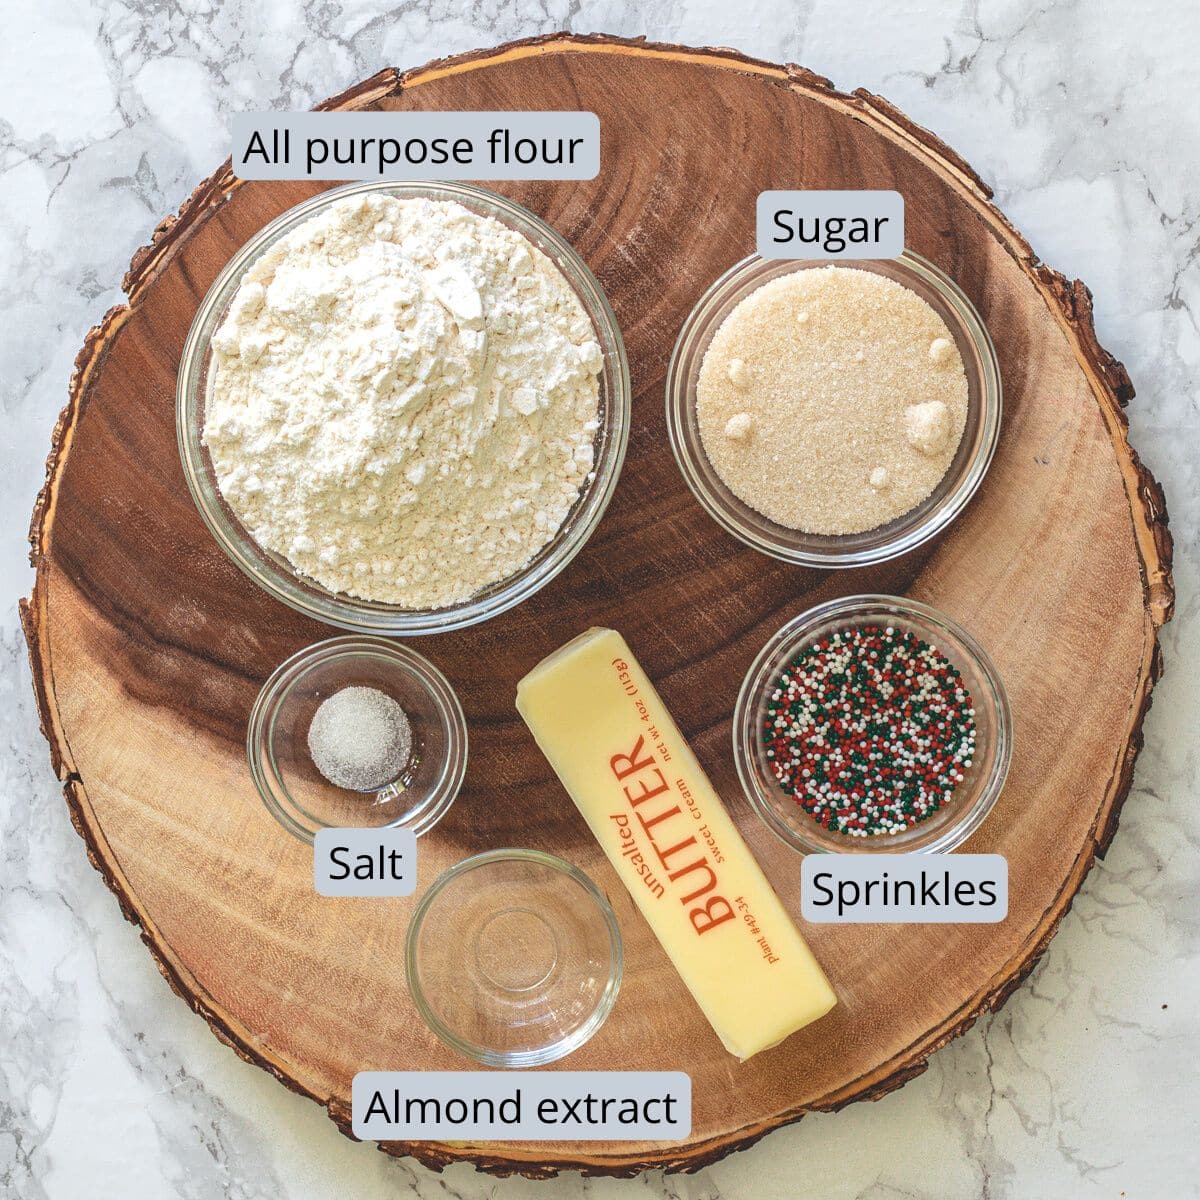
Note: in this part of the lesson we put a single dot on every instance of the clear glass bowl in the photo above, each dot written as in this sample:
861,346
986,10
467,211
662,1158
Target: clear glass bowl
272,571
300,798
972,800
888,541
514,958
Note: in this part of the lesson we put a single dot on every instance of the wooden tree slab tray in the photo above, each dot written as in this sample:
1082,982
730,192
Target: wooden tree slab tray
148,647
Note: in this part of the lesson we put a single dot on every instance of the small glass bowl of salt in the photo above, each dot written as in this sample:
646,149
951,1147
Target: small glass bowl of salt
356,732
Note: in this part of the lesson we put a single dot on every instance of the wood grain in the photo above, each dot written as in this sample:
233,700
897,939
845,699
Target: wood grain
148,647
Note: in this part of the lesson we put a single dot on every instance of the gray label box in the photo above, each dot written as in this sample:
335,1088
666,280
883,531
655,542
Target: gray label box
922,889
416,145
540,1106
830,224
365,862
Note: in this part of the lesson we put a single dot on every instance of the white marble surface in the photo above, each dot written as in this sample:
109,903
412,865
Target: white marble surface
1083,117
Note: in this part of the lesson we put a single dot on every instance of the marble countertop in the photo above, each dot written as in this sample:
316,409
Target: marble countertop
1083,117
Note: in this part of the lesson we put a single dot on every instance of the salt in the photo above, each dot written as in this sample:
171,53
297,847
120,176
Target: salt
360,739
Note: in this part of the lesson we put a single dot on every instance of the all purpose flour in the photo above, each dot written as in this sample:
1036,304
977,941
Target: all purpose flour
404,400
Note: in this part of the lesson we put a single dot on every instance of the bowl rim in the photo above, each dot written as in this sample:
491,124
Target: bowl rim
800,627
680,411
553,1051
352,613
269,782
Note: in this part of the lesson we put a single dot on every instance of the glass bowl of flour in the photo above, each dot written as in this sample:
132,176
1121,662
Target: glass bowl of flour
403,408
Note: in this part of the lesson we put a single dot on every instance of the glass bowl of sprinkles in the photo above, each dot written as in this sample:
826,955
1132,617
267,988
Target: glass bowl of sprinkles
349,610
872,724
804,400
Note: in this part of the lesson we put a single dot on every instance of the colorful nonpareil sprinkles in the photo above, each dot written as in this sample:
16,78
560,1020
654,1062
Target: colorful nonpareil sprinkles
869,730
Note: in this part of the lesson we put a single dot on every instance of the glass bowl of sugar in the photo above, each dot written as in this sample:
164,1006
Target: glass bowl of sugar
370,406
357,732
834,415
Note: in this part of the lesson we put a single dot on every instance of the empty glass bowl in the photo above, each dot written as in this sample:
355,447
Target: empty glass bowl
273,572
971,800
287,779
514,958
888,541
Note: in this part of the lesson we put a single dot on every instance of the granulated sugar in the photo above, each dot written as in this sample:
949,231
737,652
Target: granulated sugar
832,400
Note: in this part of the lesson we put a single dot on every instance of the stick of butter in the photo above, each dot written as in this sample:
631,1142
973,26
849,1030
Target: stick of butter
598,719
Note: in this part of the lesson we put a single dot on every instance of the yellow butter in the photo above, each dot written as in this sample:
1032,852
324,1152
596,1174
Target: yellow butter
598,719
